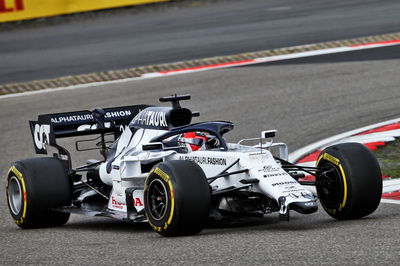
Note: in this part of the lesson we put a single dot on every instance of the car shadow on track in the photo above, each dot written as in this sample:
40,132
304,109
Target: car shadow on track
297,223
107,224
269,223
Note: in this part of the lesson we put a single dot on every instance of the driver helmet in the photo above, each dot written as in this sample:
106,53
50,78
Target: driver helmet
194,140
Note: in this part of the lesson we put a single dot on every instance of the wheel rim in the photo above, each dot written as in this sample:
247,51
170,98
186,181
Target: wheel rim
157,199
331,192
14,192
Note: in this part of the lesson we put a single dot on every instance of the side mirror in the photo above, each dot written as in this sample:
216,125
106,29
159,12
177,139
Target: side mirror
268,134
152,146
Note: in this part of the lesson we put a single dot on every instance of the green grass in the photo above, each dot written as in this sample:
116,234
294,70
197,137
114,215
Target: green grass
389,158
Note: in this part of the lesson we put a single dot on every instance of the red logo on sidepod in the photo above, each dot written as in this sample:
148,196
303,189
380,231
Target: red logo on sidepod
137,202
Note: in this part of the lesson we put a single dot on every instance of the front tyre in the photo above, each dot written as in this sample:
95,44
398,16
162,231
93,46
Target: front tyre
177,198
352,186
35,186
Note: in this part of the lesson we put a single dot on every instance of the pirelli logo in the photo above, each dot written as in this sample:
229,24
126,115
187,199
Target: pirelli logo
331,159
161,174
11,6
11,10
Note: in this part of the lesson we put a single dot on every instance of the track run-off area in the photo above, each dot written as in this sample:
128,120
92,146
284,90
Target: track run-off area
307,98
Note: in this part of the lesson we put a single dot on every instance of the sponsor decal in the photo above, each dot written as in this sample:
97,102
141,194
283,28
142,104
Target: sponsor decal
269,168
116,114
151,118
161,174
71,118
284,183
331,159
294,190
41,136
8,6
137,202
204,160
89,117
116,204
274,175
12,10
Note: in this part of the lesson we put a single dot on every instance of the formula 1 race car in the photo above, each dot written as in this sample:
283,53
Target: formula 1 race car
160,168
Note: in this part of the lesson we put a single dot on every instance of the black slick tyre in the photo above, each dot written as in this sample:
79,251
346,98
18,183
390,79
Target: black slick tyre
34,187
177,198
352,188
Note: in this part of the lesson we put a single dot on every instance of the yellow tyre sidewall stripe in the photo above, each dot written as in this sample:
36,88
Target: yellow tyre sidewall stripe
336,162
13,170
341,206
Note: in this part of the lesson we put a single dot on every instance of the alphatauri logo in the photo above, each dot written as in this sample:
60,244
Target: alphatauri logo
41,136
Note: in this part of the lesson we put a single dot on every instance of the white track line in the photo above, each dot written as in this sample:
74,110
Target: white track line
388,185
186,71
297,154
321,52
74,87
391,185
390,201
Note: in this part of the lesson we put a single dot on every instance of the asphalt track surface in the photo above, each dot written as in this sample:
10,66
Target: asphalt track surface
211,28
305,99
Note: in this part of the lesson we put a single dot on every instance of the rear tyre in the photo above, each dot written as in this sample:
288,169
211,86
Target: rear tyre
353,187
177,198
36,186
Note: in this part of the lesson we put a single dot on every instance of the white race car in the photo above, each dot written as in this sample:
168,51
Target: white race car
175,175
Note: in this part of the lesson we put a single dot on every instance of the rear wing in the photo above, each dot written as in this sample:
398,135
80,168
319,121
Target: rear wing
49,127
